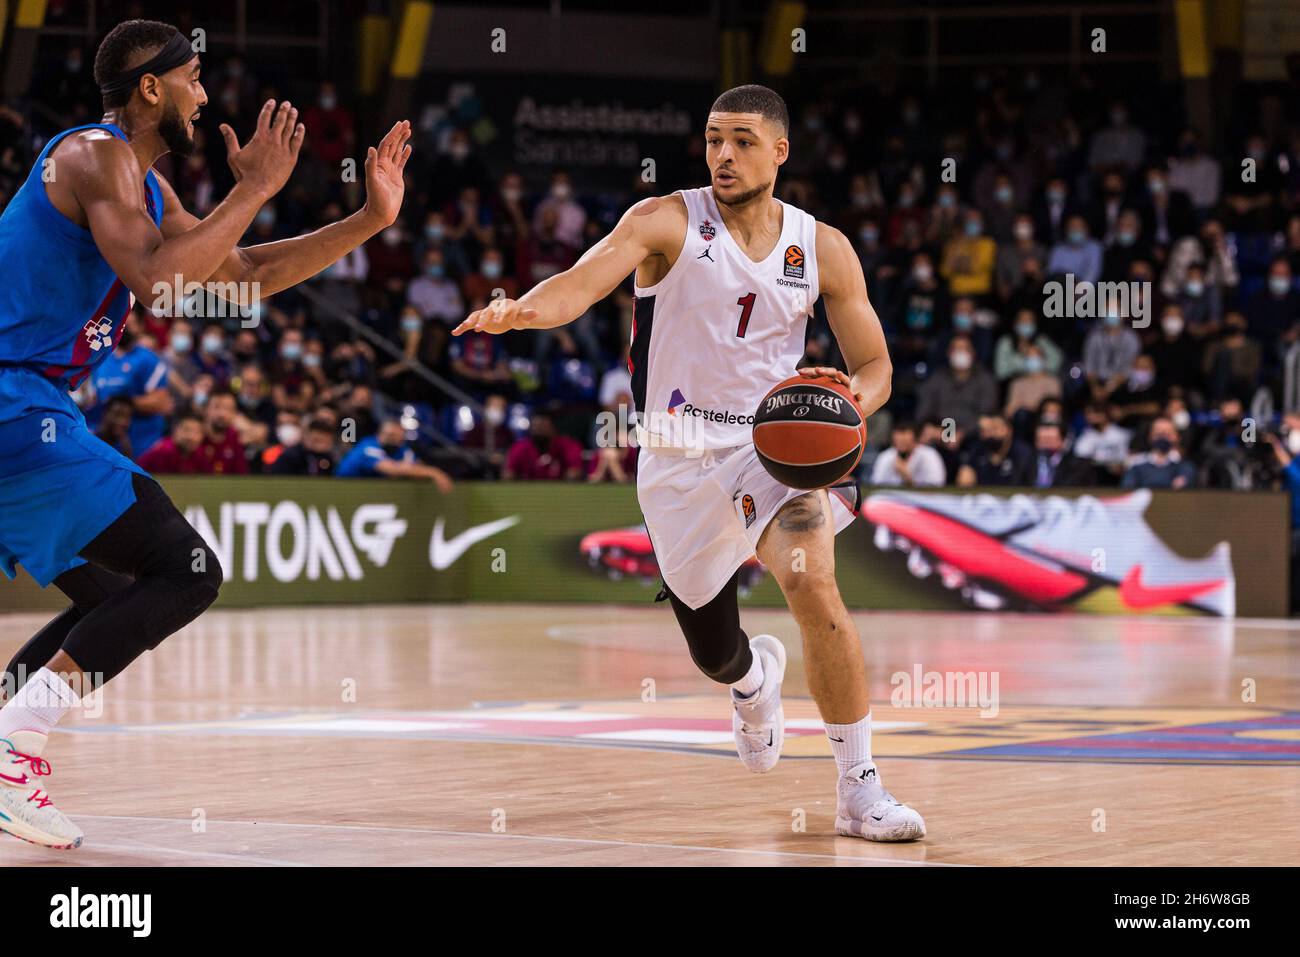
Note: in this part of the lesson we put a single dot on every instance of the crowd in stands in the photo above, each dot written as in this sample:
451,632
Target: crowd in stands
1193,382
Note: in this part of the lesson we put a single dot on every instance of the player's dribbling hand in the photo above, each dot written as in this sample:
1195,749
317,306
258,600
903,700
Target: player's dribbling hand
813,372
385,165
500,315
267,159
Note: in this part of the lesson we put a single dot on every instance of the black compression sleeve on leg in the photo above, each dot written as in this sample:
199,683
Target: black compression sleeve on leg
718,646
87,586
176,577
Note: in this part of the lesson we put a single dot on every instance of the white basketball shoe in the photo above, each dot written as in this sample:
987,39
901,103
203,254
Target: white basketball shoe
26,810
868,811
759,720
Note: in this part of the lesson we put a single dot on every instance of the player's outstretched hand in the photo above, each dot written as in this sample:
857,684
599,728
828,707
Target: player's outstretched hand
813,372
501,315
385,166
268,158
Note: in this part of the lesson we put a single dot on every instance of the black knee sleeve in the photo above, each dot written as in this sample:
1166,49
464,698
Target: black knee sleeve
87,587
718,646
176,575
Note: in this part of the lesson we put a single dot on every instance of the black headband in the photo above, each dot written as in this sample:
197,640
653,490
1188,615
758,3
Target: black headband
175,52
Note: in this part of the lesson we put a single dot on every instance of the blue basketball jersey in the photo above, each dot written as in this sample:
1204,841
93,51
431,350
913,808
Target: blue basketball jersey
61,306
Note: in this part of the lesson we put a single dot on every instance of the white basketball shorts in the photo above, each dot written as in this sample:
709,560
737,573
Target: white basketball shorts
706,512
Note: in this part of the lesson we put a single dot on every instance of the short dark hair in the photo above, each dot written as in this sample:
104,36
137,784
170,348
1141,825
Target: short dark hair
752,98
187,417
117,51
120,400
903,425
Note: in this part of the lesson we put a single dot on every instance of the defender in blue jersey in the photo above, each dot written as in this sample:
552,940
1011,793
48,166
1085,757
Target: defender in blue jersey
92,228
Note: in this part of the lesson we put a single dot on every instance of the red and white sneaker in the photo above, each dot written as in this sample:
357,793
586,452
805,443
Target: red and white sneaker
26,810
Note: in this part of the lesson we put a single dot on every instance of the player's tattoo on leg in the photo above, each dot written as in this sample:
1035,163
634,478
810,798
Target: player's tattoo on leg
801,514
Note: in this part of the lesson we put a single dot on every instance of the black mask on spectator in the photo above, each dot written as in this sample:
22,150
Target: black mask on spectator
393,449
1162,445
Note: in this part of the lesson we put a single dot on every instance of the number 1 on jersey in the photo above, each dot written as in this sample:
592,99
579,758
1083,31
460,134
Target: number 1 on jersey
746,302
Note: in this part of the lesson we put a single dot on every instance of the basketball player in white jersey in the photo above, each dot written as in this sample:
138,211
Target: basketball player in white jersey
726,278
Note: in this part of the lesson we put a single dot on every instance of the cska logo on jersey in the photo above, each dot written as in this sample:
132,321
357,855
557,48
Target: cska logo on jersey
99,333
708,231
793,262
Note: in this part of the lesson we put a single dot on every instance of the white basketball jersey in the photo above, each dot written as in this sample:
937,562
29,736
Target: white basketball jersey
714,335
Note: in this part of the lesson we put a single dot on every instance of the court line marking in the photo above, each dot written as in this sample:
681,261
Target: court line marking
531,837
244,859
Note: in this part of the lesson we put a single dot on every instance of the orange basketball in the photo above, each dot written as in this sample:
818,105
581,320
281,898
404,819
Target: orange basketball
809,432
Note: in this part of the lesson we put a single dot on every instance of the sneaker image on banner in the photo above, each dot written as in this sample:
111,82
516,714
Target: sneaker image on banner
1049,552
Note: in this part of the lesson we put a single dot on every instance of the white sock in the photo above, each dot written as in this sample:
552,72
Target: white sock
38,705
850,743
752,681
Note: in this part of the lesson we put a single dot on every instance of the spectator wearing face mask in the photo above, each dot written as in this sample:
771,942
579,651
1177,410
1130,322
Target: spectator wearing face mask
570,220
1211,251
1077,254
387,455
332,126
1010,269
135,373
907,462
963,391
969,259
1117,145
1139,399
1109,352
177,454
492,422
922,300
1272,313
966,320
947,443
1200,303
1232,363
212,358
1052,212
1195,173
997,457
1012,349
490,276
1176,354
433,294
312,454
390,258
1103,443
288,433
1028,389
1163,465
1166,214
906,216
1127,247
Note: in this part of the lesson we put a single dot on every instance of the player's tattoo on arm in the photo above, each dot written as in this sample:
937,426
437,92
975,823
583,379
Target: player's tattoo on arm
801,514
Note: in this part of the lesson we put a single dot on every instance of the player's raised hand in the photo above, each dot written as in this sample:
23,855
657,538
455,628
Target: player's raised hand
501,315
270,155
813,372
385,165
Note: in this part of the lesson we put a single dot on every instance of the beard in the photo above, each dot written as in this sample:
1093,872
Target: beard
747,196
172,130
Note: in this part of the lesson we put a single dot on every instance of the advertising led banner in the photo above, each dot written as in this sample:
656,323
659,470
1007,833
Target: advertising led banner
288,541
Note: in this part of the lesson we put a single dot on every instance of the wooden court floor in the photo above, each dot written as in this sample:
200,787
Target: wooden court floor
582,735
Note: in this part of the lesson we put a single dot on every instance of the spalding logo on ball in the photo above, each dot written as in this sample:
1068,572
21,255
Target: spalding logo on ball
809,432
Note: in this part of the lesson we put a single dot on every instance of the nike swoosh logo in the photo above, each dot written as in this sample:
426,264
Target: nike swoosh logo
839,740
23,780
877,817
443,554
1137,595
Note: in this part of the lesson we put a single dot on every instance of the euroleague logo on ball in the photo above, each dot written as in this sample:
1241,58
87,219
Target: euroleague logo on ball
801,411
793,262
